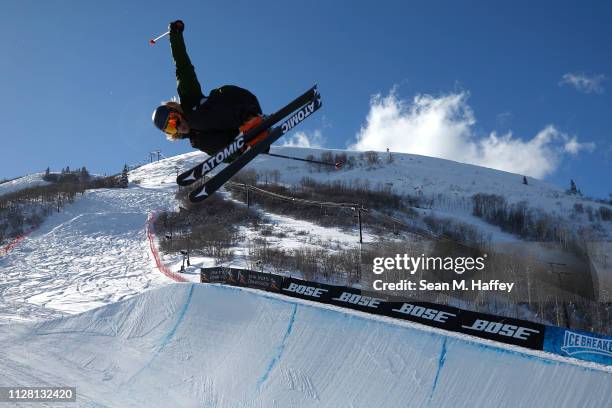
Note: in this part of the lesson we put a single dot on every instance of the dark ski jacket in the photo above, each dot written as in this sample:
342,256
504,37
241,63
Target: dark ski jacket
214,119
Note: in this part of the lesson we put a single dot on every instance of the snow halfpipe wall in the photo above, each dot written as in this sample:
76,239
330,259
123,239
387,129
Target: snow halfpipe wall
219,346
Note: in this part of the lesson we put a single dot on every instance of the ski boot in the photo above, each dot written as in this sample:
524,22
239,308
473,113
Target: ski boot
252,122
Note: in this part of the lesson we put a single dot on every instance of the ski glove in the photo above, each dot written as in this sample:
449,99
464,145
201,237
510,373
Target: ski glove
176,27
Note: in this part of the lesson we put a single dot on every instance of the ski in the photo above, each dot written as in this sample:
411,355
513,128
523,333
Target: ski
204,191
195,173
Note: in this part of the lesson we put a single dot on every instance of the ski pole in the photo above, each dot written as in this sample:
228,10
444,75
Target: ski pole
154,40
336,165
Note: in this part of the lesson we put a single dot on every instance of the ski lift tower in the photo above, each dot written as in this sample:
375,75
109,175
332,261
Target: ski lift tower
153,153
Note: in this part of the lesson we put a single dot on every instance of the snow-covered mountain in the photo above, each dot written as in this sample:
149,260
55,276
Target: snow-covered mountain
82,302
449,185
95,251
31,180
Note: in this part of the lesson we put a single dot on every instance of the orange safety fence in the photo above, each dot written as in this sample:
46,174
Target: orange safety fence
158,262
11,245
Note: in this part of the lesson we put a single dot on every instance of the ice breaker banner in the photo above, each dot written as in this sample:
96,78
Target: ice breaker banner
578,344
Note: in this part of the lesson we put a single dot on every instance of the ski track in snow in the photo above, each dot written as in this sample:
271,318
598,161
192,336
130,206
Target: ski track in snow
93,253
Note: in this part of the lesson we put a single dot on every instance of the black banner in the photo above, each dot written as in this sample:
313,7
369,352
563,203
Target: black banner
258,280
242,277
502,329
214,275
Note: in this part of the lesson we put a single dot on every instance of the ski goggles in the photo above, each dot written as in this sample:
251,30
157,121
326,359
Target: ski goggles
172,124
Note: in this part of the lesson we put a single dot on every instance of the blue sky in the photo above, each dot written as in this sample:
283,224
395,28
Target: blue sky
515,85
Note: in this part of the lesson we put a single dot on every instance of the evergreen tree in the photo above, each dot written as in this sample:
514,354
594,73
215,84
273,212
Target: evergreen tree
124,176
525,180
573,189
47,176
84,174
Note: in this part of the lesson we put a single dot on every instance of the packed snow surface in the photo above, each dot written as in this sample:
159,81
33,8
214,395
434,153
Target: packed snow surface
95,252
188,345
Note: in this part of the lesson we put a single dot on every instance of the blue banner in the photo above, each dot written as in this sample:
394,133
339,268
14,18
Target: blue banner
578,344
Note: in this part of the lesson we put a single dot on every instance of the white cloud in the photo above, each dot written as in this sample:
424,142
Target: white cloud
573,147
444,127
584,83
302,139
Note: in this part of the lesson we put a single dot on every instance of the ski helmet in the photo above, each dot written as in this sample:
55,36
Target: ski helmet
161,115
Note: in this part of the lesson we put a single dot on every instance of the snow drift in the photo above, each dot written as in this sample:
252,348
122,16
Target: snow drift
216,346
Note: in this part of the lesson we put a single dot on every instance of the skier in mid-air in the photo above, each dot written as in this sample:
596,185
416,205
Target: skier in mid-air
228,124
209,122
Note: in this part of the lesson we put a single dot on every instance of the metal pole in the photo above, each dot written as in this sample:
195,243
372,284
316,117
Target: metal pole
359,218
359,264
188,251
248,198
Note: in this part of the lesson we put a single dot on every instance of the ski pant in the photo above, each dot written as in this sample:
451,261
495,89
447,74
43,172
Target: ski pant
215,123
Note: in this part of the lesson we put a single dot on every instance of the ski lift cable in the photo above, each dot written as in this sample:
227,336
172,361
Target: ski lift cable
354,207
297,200
359,207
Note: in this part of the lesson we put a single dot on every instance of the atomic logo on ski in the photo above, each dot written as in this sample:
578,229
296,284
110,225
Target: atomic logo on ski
298,117
224,154
209,164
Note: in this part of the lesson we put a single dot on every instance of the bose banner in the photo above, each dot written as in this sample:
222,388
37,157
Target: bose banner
502,329
565,342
